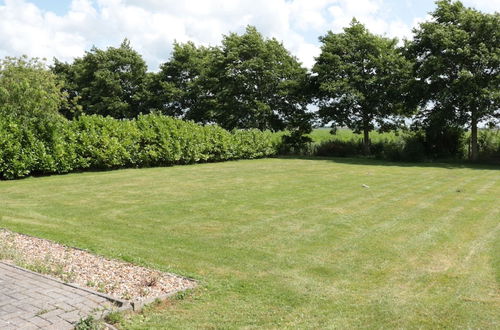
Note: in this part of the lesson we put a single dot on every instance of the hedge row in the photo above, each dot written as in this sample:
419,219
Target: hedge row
95,142
415,146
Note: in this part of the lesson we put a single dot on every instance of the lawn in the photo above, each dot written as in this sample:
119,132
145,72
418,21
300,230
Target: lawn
284,242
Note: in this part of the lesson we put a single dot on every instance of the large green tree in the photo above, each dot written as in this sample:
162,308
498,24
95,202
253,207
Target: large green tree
259,84
457,66
247,82
359,79
181,84
110,82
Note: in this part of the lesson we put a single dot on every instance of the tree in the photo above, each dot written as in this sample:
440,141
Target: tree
108,82
31,128
29,91
259,83
248,82
179,84
457,66
359,80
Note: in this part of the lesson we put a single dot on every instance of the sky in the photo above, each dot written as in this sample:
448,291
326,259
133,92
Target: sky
65,29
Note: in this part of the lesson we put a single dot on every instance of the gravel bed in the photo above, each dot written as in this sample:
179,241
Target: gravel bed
116,278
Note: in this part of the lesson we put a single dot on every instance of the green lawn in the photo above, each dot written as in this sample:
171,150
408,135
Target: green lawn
295,243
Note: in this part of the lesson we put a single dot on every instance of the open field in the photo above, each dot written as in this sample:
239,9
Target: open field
343,134
288,242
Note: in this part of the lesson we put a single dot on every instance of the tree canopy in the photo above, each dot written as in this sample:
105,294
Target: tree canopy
29,91
248,82
179,85
108,82
360,79
446,80
456,59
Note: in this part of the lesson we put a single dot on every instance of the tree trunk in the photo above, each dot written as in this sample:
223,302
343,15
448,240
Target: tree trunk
473,140
366,140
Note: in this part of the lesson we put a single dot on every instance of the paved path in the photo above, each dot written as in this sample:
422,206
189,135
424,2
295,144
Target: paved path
33,301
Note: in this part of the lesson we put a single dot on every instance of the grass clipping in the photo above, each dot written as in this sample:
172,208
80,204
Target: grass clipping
116,278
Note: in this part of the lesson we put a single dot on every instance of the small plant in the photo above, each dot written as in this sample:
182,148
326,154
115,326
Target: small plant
37,267
101,287
181,295
126,296
89,323
41,312
114,317
7,253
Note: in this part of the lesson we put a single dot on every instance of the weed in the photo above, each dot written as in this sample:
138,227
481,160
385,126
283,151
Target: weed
114,317
89,323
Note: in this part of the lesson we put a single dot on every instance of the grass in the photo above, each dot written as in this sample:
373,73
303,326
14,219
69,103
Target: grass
288,243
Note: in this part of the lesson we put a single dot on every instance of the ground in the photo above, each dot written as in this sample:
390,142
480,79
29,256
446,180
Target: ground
288,242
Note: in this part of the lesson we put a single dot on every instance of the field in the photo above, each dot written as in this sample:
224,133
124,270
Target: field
319,135
288,242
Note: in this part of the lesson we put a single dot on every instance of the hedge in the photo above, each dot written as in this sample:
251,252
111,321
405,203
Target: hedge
96,142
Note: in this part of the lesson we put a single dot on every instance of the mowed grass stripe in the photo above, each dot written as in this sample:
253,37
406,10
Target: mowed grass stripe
288,243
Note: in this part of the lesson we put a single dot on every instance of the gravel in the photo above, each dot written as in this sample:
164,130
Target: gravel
116,278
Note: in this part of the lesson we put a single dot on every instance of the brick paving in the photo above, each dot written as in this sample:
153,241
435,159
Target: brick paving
33,301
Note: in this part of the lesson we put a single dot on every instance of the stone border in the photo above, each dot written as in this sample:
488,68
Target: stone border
121,304
140,303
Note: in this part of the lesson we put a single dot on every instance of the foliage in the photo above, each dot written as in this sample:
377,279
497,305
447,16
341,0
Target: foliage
111,82
96,142
89,323
359,80
248,82
489,145
114,317
29,92
415,145
456,59
259,84
179,83
32,132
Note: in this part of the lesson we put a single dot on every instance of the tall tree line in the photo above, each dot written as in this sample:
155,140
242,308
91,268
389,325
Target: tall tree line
447,78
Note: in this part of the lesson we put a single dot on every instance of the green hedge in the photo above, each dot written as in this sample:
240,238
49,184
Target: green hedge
95,142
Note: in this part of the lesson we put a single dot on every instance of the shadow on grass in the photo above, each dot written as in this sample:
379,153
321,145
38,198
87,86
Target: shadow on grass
377,162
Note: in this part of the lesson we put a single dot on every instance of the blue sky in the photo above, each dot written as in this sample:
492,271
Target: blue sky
66,28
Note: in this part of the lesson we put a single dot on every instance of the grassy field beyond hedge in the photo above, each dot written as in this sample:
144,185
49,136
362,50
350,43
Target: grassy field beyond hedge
296,243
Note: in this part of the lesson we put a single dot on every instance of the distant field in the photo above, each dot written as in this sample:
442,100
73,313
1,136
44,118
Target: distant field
288,243
344,134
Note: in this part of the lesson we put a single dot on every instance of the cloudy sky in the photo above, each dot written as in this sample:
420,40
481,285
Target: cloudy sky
66,28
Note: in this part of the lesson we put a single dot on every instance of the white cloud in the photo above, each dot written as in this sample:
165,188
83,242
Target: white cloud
153,25
484,5
369,12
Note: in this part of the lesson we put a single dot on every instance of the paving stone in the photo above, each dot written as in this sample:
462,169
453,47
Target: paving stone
32,301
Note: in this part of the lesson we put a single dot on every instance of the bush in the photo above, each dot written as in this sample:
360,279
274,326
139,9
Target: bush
340,148
96,142
489,145
409,147
444,141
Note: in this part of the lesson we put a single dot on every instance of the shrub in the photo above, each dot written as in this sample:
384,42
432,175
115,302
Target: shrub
96,142
340,148
489,145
